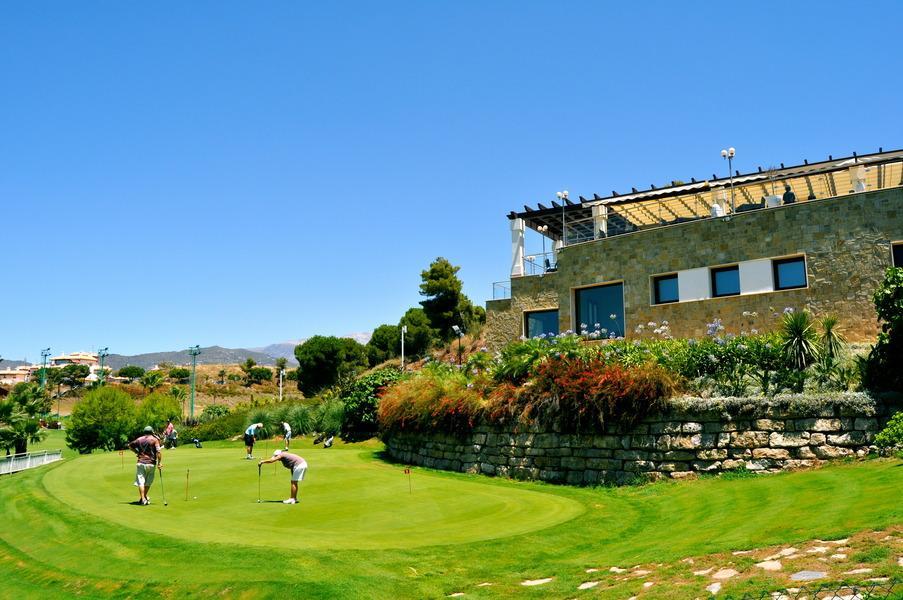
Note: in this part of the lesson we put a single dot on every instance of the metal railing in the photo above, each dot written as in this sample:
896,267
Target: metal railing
542,262
501,290
29,460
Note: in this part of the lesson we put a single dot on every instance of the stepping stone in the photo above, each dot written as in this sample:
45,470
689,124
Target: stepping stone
484,584
817,550
808,575
587,585
689,561
456,595
879,579
839,542
641,573
770,565
714,588
532,582
617,570
857,571
900,562
741,552
725,574
648,584
838,556
704,571
782,553
592,570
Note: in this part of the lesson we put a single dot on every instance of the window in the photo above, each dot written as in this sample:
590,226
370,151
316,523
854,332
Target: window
541,322
726,281
789,273
597,305
664,289
898,254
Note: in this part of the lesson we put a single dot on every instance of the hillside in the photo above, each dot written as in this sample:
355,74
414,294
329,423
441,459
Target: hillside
211,355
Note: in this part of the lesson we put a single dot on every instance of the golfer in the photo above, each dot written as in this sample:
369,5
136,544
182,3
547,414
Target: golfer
295,464
150,456
286,434
170,435
251,437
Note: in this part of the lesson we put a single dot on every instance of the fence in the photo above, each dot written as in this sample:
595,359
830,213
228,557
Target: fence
870,590
29,460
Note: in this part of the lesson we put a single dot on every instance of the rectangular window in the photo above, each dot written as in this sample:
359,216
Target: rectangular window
898,254
600,307
664,289
725,281
789,273
541,322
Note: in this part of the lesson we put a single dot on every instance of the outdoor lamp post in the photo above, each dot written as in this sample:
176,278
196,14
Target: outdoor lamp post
459,331
101,354
563,196
542,229
193,351
44,354
729,155
281,376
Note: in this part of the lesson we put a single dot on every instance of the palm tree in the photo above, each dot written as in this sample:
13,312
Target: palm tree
152,380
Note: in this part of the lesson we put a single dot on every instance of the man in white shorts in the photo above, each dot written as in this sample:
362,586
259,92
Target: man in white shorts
295,464
286,434
150,457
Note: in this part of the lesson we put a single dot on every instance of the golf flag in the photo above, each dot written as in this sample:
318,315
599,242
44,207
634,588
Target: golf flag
407,471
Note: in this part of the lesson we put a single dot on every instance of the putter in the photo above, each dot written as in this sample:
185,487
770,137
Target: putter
162,490
258,482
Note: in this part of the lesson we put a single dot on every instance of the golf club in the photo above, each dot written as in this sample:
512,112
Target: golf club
258,483
162,490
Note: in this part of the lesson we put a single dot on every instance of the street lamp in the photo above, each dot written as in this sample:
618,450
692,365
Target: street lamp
102,354
563,196
459,331
44,354
542,229
281,376
729,155
404,330
193,351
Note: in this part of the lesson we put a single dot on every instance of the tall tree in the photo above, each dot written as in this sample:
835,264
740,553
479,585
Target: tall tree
322,360
446,304
420,336
19,417
385,343
74,375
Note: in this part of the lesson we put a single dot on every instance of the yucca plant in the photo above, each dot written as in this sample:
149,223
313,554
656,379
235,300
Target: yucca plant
832,341
799,339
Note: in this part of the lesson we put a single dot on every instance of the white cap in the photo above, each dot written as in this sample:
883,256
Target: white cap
277,452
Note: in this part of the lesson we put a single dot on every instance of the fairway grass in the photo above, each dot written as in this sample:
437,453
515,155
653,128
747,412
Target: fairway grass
68,530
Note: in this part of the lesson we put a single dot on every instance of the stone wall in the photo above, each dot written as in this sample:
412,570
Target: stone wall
677,444
846,241
505,318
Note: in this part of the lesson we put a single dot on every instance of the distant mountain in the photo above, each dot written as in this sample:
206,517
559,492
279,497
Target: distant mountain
287,349
212,355
12,364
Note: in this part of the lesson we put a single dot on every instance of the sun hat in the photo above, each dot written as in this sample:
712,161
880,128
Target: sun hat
277,452
148,429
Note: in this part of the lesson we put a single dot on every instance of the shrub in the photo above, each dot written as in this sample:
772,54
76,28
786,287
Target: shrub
892,435
322,361
328,416
222,428
799,339
156,409
104,419
130,371
361,401
212,412
881,371
179,374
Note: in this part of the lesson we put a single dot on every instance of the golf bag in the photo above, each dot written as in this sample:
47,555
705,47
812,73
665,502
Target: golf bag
196,442
328,442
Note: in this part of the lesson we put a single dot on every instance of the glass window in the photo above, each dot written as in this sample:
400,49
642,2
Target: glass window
898,254
789,273
541,322
602,305
726,281
665,289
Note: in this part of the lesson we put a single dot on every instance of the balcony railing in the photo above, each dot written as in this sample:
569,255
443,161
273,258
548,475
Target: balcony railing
501,290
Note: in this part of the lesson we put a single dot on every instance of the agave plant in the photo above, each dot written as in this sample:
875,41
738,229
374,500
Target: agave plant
799,339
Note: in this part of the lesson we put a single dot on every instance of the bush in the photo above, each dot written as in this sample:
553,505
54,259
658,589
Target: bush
892,435
105,419
213,412
361,403
325,360
882,369
130,371
179,374
225,427
328,417
156,409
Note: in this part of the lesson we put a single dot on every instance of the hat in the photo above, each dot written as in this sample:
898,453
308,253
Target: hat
277,452
148,429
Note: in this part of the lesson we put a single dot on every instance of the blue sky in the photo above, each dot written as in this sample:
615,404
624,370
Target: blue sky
242,173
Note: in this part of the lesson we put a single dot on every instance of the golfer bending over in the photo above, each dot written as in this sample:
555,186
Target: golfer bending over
293,463
150,456
251,437
287,434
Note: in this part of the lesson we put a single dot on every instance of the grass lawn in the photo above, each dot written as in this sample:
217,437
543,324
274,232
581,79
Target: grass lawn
69,529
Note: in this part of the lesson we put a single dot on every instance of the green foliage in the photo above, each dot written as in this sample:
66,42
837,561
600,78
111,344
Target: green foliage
385,343
892,435
281,363
361,403
328,416
882,369
130,371
420,336
799,339
224,427
74,375
258,375
212,412
832,342
156,409
324,360
19,417
445,304
179,374
104,419
152,380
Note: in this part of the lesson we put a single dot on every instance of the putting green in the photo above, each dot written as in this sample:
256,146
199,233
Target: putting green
348,500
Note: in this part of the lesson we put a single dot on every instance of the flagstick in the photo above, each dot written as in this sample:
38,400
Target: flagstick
186,484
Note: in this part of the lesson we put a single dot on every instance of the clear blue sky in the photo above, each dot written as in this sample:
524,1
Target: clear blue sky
241,173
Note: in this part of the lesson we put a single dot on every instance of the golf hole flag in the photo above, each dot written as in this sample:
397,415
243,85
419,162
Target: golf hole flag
407,472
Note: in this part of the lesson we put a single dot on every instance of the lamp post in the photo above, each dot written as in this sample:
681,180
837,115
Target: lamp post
193,351
542,229
729,155
101,354
563,196
44,354
459,331
404,330
281,376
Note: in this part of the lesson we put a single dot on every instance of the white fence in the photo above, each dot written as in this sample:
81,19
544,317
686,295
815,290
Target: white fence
29,460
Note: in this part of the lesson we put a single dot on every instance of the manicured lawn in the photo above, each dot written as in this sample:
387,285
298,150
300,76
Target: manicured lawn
69,530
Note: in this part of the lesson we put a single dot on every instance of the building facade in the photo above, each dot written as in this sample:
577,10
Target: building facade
825,253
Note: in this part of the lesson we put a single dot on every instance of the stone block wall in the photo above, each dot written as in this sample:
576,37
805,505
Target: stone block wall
675,445
846,240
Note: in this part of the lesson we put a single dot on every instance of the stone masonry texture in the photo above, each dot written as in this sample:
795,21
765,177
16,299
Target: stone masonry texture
675,445
846,241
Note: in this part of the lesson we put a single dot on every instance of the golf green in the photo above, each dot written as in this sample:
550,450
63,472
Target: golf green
347,500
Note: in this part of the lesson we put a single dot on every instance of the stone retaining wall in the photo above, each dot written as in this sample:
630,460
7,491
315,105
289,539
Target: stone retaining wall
676,445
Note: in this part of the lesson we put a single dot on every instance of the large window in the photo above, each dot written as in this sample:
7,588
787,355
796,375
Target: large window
541,322
789,273
664,289
898,254
726,281
602,305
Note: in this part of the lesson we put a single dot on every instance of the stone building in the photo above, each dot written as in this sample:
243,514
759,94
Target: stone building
816,236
